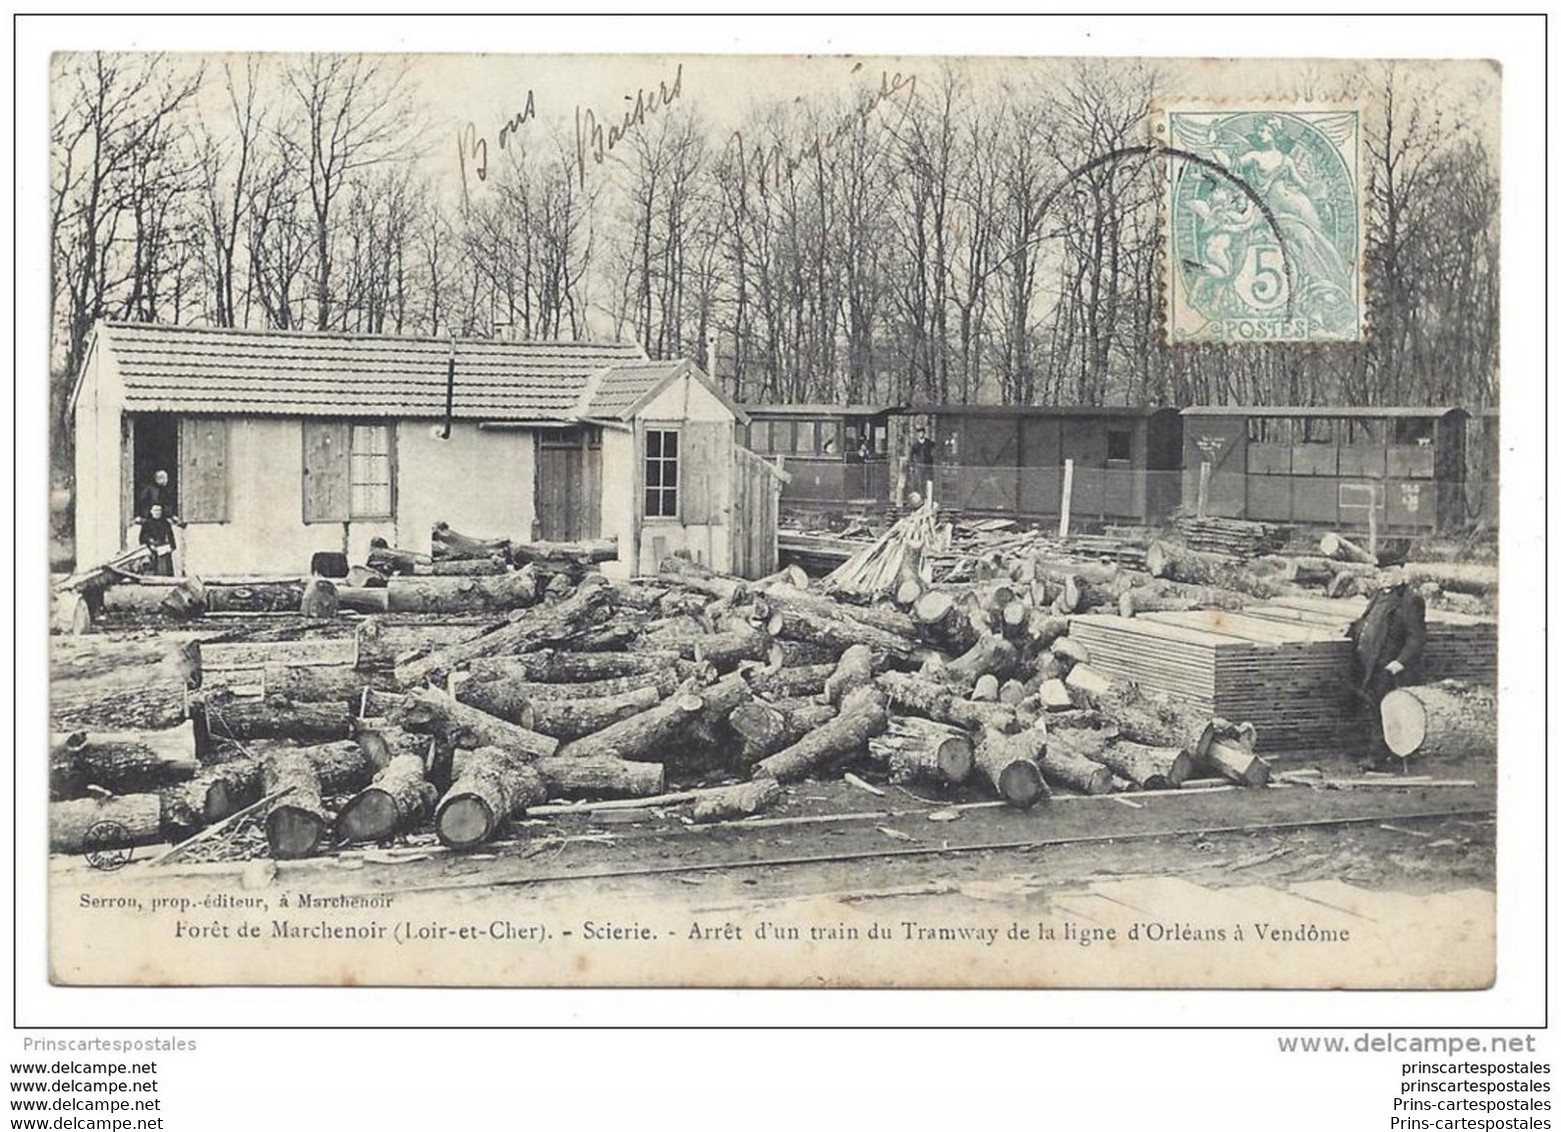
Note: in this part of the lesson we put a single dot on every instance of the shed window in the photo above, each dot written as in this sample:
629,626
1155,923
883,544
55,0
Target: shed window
661,473
1119,444
370,471
1414,430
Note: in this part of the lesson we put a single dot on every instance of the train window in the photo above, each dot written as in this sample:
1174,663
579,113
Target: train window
1268,430
759,437
1316,430
1414,430
1364,431
1119,444
806,437
881,439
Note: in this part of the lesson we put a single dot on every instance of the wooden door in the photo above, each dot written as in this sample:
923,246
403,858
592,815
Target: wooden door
569,485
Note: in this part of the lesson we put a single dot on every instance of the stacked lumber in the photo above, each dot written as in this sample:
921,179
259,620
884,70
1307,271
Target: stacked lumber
1240,537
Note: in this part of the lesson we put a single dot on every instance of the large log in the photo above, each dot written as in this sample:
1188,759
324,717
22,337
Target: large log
1231,756
991,655
256,597
935,701
85,825
363,599
383,742
537,628
854,670
213,794
765,728
1474,578
547,666
1072,759
600,776
449,543
122,762
1338,547
222,716
432,711
381,643
560,718
154,700
645,737
884,620
1011,764
493,787
517,670
862,716
1182,564
942,622
790,681
323,683
388,560
916,750
320,600
725,650
465,593
396,801
296,824
690,575
1151,768
1440,721
833,629
727,803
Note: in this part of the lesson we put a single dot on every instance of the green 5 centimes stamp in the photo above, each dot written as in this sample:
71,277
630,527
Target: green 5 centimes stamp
1264,240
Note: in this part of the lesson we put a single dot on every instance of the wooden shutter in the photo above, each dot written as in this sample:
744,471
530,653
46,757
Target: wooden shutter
705,472
203,469
327,471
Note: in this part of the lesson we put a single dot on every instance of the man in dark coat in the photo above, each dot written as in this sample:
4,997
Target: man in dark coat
156,492
923,455
1389,638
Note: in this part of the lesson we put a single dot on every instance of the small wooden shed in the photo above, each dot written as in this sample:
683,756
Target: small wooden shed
279,444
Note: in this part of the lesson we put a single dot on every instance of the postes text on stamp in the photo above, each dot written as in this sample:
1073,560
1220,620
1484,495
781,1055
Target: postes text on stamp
1264,224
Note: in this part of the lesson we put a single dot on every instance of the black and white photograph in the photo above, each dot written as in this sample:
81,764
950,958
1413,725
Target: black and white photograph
737,518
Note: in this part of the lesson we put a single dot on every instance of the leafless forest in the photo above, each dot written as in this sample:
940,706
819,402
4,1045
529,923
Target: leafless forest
920,241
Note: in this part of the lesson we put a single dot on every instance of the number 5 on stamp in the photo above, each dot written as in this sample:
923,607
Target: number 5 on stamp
1264,224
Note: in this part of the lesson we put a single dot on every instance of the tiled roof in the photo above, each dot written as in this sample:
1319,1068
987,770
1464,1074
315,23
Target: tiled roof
300,373
621,390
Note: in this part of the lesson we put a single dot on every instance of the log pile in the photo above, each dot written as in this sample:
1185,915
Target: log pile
507,677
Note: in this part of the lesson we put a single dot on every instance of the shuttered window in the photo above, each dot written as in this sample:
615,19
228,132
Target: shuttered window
349,471
661,473
203,469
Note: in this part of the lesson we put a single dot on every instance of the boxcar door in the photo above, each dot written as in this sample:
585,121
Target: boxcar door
569,476
989,464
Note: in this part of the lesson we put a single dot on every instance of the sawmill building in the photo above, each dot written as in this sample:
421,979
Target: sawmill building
282,444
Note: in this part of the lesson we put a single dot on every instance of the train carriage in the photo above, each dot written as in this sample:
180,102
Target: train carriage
1328,466
837,455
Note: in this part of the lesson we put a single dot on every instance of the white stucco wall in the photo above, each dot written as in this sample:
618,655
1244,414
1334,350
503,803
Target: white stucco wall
480,482
100,528
618,500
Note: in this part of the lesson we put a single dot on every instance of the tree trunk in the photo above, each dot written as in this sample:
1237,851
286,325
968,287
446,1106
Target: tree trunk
123,762
380,643
155,702
1227,749
323,683
1338,547
854,670
363,599
1440,721
935,701
319,599
1180,564
942,623
213,794
789,682
921,751
1009,763
567,558
1072,759
887,621
600,776
1150,768
258,597
435,712
388,560
725,650
691,575
1083,681
383,743
462,594
562,719
1150,599
726,803
397,800
220,715
494,786
1474,578
645,737
86,825
991,655
296,824
449,543
836,631
862,716
550,667
516,671
766,728
540,627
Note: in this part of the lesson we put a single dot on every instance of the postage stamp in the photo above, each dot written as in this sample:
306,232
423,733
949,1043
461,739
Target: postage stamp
1264,224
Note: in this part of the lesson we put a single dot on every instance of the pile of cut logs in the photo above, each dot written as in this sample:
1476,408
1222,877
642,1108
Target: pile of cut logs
521,675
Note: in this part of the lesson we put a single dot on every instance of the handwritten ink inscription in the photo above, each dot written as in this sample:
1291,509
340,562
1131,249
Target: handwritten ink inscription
595,141
472,148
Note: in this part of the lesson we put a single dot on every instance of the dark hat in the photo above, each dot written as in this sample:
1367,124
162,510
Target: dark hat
1391,556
